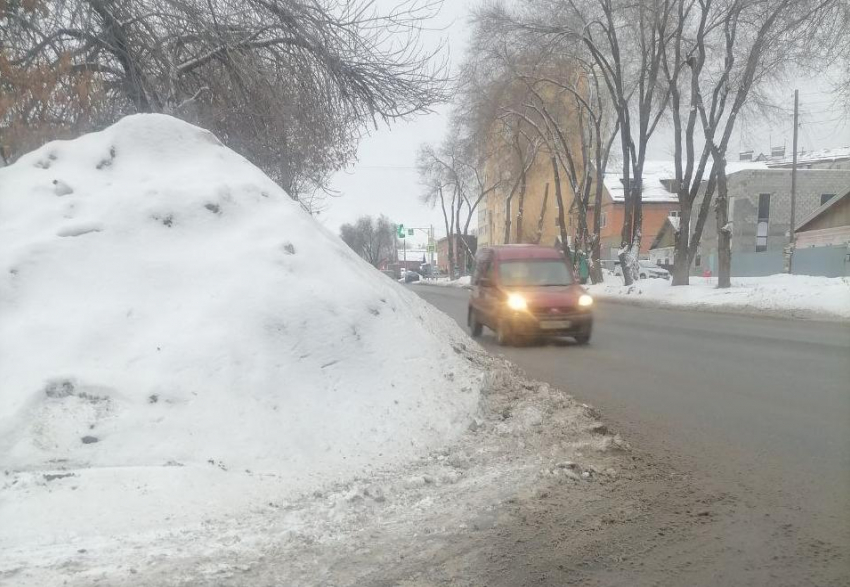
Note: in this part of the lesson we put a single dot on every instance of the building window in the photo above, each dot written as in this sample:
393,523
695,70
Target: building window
824,198
763,223
603,220
674,213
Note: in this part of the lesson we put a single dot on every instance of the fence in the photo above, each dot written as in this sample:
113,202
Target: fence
824,261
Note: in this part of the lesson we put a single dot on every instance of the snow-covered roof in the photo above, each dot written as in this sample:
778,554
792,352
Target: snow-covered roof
658,175
832,202
674,221
817,156
654,173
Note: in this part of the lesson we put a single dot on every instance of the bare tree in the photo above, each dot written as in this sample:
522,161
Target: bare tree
562,100
374,240
623,40
455,177
721,54
288,83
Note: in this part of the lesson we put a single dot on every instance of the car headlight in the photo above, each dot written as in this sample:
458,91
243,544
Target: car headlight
517,302
585,301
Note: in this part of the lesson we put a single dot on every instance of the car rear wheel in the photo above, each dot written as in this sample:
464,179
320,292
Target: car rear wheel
475,327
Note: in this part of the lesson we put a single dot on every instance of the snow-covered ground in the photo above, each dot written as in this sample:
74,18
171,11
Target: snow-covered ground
798,296
174,350
462,282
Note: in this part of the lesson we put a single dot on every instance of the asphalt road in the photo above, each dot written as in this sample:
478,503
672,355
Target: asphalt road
757,409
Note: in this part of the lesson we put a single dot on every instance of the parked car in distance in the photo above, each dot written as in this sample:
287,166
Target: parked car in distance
527,291
410,277
648,270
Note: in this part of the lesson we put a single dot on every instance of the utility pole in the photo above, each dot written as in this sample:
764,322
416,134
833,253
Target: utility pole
791,236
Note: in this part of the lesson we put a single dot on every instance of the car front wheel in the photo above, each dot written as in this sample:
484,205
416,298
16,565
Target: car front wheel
475,327
503,335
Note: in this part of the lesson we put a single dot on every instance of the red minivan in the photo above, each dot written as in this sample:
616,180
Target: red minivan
527,291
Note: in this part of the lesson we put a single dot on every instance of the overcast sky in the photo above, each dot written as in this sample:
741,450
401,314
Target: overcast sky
384,179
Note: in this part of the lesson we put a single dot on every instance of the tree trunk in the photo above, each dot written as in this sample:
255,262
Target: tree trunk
542,219
506,239
681,255
702,216
595,263
724,231
520,207
448,227
451,257
562,226
631,236
596,239
626,237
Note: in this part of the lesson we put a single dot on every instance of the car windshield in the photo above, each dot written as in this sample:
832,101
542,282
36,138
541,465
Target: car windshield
648,265
548,272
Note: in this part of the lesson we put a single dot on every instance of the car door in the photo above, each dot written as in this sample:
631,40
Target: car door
479,293
487,293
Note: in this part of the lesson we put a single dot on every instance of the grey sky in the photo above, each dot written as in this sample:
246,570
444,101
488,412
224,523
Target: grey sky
384,179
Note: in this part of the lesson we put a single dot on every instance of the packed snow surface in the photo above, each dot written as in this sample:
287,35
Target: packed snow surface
800,296
179,341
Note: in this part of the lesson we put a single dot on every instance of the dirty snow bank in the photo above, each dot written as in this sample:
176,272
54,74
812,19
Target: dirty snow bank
527,440
462,282
172,350
799,296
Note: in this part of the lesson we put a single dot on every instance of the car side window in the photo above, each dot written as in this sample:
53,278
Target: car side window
483,270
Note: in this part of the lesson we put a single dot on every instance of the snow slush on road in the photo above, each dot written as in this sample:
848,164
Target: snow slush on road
182,383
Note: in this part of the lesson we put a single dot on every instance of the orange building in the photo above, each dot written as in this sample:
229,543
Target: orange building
540,216
659,202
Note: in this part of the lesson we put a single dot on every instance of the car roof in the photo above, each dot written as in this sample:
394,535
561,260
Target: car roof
518,252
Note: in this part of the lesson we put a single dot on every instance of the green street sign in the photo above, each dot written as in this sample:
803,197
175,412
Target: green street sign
431,248
409,232
400,231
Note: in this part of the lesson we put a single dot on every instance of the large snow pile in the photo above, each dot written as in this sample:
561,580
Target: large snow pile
799,296
179,340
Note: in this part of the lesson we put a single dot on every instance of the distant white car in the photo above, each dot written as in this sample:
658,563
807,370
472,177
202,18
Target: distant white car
648,270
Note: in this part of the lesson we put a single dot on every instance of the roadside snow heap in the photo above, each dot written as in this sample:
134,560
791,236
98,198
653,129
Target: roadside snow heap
179,340
797,296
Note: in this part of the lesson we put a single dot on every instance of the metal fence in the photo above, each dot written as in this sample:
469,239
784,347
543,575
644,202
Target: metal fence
824,261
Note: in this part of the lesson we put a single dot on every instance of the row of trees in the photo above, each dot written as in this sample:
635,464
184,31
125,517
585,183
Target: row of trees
290,84
373,240
580,81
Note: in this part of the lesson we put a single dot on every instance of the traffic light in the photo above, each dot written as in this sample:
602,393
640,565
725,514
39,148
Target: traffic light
400,231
